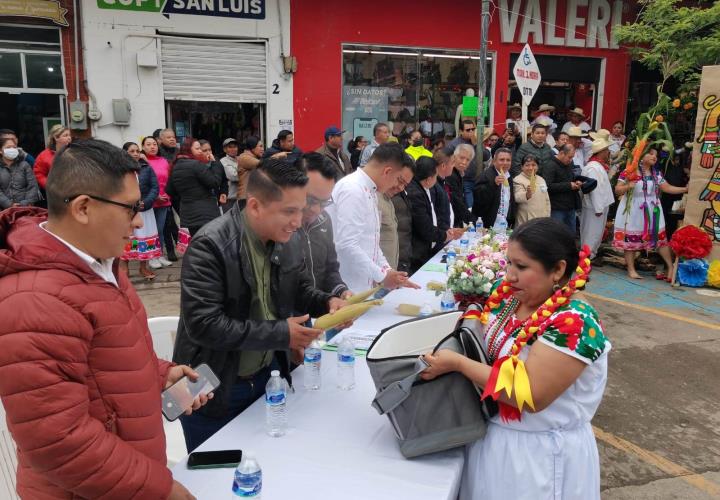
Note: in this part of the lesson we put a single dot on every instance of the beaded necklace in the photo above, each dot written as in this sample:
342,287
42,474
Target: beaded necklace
508,372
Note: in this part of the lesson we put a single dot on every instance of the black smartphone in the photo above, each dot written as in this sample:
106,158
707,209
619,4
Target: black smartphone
214,459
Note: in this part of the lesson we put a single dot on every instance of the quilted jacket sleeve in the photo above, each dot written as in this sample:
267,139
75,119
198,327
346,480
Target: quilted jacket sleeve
43,374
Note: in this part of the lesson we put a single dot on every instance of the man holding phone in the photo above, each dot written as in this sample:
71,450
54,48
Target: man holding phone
245,292
79,380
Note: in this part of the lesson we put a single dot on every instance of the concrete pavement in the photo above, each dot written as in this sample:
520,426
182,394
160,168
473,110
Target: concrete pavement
658,427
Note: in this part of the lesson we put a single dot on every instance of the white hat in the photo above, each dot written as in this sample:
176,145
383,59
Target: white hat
600,144
576,132
577,111
514,106
545,107
602,133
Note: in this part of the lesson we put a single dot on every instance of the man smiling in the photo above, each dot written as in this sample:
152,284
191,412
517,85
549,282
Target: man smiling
243,281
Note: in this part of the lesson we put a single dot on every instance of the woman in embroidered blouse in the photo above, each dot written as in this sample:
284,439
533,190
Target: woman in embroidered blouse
639,222
548,450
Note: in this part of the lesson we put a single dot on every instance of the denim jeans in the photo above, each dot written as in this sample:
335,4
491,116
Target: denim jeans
161,214
567,217
198,428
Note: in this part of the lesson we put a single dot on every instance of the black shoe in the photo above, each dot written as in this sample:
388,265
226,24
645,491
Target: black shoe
172,257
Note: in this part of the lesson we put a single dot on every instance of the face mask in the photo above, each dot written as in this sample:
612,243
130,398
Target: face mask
418,142
11,153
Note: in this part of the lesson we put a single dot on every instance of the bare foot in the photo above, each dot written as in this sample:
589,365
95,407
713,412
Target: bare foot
635,276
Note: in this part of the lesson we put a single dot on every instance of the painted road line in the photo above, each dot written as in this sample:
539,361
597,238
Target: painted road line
662,463
658,312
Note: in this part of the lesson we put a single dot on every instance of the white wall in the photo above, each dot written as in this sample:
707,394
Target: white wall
111,39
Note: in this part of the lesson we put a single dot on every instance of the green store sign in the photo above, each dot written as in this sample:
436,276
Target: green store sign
243,9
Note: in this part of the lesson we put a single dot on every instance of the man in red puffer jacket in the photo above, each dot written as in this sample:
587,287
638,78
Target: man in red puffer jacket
79,380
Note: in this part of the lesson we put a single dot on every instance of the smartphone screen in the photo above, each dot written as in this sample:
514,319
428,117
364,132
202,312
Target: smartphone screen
214,459
179,397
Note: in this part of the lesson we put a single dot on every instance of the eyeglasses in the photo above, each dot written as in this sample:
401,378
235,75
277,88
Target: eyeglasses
311,200
402,182
470,129
134,208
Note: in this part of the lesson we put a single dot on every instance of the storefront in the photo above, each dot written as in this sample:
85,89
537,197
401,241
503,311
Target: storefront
210,69
36,68
412,64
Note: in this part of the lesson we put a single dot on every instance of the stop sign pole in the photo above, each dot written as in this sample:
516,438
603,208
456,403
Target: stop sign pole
527,76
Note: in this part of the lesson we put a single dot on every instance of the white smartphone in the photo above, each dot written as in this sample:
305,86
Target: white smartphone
179,397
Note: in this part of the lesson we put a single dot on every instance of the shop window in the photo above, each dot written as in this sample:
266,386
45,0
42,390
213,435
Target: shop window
409,88
44,71
10,70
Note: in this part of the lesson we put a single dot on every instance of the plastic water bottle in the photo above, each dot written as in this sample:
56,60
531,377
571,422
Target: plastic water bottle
275,405
447,302
500,227
346,364
479,226
464,242
451,258
425,310
248,477
313,356
471,232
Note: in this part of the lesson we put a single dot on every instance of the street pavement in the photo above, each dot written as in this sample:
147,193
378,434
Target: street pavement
658,427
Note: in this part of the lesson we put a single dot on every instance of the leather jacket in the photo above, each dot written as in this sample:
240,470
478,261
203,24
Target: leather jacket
215,297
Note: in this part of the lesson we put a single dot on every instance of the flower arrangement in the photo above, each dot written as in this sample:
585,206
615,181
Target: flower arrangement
691,242
471,277
693,272
713,277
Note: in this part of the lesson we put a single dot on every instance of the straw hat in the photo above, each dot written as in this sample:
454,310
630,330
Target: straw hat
602,133
576,132
577,111
600,144
487,132
544,107
514,106
544,121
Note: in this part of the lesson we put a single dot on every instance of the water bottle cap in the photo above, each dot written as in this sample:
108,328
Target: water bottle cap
275,373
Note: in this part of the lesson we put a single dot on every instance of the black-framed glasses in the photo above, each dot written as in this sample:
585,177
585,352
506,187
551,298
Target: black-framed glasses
134,208
311,200
470,129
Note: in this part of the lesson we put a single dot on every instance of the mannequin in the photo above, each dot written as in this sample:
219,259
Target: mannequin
458,112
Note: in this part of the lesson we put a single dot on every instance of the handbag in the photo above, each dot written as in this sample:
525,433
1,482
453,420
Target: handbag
183,241
433,415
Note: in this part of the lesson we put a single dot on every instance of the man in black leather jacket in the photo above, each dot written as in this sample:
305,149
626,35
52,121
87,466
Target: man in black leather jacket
243,283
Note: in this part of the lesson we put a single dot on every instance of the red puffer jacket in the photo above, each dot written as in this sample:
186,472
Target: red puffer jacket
78,376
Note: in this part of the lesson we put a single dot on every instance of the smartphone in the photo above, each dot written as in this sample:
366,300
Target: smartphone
214,459
179,397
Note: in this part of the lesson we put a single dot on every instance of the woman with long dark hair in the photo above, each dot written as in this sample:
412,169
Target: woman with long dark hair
194,182
162,205
355,147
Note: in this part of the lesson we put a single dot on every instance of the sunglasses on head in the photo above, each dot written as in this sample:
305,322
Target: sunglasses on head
133,209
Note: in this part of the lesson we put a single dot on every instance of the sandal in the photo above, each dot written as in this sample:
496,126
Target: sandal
148,275
661,277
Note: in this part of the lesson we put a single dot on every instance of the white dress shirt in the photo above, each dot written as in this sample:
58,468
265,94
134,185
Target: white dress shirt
356,224
602,196
102,268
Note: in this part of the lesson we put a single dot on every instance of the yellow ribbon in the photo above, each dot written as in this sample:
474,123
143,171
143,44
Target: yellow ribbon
505,377
521,386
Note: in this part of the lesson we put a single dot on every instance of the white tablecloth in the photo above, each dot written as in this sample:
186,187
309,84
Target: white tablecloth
337,446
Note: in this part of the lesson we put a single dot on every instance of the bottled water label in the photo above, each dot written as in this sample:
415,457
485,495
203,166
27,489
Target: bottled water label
345,358
312,356
275,399
247,485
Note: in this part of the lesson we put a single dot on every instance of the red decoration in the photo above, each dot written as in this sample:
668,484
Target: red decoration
691,242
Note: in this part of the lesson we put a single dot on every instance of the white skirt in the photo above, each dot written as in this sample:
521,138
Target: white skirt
145,243
532,465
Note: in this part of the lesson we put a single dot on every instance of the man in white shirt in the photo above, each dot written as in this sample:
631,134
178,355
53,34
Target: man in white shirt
596,204
582,145
576,118
356,219
229,163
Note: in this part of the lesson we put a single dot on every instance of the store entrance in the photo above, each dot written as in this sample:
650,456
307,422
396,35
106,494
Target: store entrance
567,82
31,116
216,121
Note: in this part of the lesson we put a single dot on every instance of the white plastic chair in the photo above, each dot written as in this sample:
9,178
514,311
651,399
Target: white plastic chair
162,330
8,460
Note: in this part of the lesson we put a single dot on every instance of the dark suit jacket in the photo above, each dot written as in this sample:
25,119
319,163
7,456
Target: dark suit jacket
425,234
487,198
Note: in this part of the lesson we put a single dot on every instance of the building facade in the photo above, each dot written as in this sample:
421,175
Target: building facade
210,69
411,64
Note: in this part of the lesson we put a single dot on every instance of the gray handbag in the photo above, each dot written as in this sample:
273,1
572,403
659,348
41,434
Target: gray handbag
435,415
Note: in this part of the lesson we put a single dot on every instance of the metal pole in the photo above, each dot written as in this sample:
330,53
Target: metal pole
482,81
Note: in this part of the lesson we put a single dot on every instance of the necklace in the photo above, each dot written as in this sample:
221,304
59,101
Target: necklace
498,324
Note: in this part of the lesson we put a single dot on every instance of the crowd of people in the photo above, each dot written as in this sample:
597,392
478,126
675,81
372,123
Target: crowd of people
278,236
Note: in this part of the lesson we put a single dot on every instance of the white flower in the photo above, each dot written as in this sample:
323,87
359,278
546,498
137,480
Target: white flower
452,272
487,287
488,274
464,275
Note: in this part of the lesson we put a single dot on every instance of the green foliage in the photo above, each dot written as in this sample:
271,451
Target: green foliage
675,39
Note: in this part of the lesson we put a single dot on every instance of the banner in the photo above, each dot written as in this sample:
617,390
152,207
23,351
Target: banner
41,9
241,9
703,206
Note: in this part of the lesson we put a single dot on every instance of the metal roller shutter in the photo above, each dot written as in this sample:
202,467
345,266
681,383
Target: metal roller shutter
197,69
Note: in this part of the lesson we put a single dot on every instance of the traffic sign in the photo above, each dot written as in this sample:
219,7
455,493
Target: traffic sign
527,74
